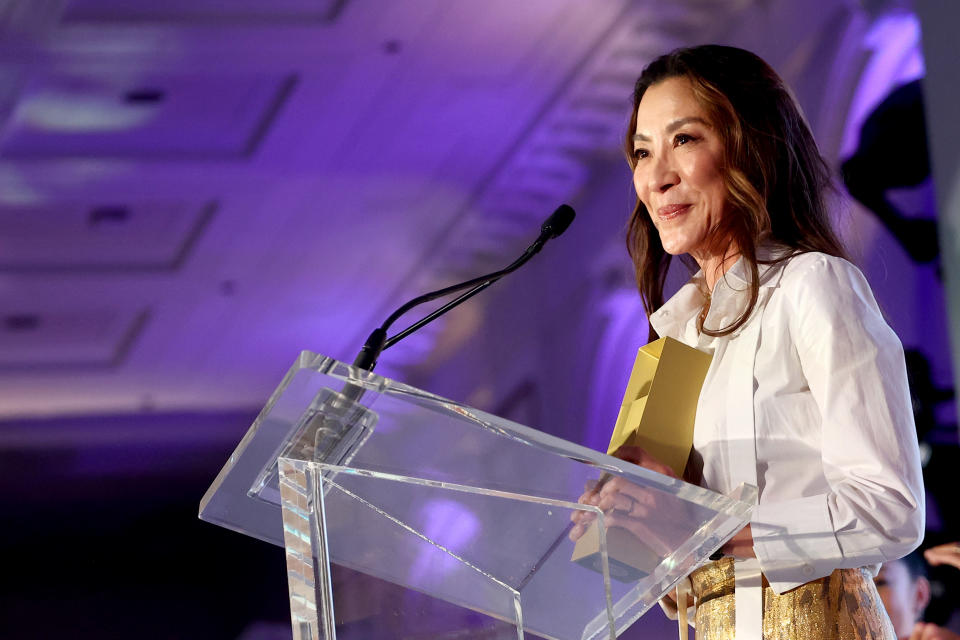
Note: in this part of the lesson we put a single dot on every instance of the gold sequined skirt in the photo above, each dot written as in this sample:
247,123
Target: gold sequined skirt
842,606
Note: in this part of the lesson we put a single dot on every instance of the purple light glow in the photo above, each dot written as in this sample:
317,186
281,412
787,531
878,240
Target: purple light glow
449,524
625,330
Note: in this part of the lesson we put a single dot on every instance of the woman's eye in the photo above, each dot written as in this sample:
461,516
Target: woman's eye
683,138
640,153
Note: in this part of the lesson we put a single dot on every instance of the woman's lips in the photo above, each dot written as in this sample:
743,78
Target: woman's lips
671,210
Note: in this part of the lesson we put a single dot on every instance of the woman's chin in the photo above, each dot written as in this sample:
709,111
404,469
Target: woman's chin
673,247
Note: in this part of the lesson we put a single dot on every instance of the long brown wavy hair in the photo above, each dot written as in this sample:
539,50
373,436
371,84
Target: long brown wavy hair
775,177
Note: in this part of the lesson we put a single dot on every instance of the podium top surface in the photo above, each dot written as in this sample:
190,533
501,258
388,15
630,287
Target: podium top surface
379,425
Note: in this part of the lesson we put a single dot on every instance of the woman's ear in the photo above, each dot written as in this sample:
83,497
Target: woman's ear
921,596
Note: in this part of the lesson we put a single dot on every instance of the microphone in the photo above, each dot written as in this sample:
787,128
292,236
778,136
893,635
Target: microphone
555,225
335,426
558,222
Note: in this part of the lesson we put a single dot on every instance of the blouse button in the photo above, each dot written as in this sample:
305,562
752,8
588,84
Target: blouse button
807,570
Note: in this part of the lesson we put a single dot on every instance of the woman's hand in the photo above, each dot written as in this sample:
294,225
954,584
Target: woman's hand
740,545
624,503
928,631
641,458
669,603
944,554
582,519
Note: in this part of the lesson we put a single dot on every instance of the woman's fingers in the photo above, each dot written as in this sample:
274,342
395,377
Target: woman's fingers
944,554
623,503
583,517
632,495
591,497
928,631
614,500
640,457
581,521
577,532
741,544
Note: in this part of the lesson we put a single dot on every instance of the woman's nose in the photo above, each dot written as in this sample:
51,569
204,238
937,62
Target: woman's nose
663,175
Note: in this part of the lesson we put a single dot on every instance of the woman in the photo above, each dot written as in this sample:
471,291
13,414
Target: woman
806,397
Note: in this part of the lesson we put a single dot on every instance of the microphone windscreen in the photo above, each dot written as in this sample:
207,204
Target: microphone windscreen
558,221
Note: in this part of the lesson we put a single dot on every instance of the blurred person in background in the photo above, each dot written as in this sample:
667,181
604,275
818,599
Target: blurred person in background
905,591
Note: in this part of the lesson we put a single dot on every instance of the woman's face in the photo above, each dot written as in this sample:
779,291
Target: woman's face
904,597
678,172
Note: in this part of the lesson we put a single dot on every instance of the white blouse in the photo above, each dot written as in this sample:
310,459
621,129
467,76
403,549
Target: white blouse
809,402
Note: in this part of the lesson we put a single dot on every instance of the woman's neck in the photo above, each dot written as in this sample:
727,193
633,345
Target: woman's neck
716,264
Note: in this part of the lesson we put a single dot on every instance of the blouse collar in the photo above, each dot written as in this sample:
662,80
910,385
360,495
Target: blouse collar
672,318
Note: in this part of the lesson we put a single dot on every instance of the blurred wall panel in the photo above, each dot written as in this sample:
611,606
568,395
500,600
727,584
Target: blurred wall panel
939,21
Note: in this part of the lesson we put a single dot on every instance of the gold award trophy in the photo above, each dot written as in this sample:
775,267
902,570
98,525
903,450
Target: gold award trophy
657,414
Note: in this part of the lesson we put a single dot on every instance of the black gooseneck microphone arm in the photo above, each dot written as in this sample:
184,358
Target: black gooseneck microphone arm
556,224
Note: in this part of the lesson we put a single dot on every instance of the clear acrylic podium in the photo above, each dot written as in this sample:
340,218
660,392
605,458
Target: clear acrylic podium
405,515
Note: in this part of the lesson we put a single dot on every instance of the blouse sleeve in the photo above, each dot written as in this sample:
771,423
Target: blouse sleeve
854,365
